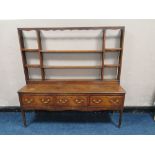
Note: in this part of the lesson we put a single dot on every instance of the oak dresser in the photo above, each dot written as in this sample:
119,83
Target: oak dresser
58,94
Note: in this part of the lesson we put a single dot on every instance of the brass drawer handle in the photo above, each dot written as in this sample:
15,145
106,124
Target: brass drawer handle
28,100
79,101
63,101
45,100
114,101
97,101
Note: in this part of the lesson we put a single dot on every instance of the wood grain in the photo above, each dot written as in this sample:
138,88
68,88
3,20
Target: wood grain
73,87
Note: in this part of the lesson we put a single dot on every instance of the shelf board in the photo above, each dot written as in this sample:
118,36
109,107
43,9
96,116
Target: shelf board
71,51
111,66
72,28
72,67
62,80
71,79
74,80
113,49
32,66
29,50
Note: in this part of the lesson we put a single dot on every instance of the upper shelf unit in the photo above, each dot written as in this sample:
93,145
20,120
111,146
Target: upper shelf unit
40,50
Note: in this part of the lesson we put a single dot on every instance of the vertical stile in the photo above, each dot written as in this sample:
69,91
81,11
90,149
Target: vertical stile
102,57
23,54
121,52
40,54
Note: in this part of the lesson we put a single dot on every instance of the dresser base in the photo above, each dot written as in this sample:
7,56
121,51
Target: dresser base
62,96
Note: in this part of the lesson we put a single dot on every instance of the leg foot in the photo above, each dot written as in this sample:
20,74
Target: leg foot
23,118
120,118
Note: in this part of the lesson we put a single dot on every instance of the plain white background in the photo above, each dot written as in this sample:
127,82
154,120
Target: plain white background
138,73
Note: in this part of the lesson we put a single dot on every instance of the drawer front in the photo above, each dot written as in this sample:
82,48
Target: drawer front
106,101
37,100
71,101
45,101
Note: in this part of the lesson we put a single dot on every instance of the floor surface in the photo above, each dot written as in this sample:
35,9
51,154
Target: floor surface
76,123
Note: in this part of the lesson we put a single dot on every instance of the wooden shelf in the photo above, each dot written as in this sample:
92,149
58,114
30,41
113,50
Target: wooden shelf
52,80
32,66
71,51
72,28
72,80
111,66
29,50
113,49
72,67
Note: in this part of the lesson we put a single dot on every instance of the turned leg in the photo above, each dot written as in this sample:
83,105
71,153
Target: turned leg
23,117
120,118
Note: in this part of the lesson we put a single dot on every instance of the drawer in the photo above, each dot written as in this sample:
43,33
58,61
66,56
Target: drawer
71,101
37,100
106,101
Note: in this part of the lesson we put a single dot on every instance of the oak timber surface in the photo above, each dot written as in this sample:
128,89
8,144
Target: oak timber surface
73,87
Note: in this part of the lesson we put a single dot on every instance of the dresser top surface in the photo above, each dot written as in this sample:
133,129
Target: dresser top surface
73,87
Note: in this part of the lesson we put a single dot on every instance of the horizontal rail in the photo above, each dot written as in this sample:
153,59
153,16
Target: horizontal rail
112,49
72,51
29,50
32,66
73,28
75,80
112,66
70,67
